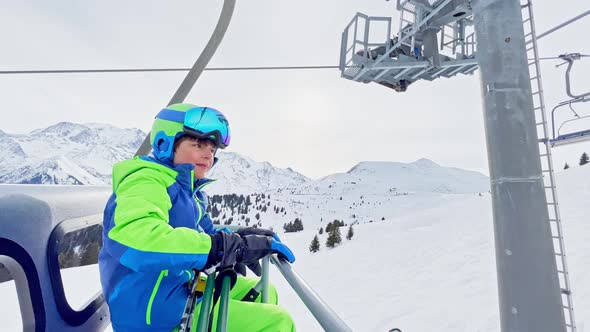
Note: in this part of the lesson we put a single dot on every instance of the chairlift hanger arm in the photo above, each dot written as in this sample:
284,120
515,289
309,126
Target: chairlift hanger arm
193,75
570,58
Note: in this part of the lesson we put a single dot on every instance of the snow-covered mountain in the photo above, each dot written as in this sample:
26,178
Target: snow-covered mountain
238,174
391,178
70,153
66,153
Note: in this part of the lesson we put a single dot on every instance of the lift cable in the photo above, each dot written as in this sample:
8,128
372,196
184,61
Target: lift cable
138,70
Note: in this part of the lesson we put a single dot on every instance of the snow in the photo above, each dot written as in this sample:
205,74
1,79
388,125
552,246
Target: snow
239,174
62,152
429,266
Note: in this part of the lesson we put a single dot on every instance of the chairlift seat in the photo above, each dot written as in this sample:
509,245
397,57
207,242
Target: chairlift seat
571,138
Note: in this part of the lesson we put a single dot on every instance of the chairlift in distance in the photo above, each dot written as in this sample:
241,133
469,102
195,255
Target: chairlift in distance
578,136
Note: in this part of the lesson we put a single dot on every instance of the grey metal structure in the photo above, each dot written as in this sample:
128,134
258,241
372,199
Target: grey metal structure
528,283
533,276
193,75
414,53
549,182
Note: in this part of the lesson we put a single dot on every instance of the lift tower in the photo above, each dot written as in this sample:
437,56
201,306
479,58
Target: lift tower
528,282
444,38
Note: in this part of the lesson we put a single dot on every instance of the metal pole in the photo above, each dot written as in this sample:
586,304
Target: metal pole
327,318
222,316
192,76
203,322
528,286
264,278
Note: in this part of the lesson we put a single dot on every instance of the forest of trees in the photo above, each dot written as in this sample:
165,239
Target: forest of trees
232,209
294,226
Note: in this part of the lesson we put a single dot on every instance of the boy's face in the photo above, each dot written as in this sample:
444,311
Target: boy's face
197,152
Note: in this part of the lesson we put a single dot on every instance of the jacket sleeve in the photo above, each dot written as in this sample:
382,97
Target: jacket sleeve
140,236
207,225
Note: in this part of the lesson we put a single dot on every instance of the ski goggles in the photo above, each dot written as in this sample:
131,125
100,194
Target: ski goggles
201,122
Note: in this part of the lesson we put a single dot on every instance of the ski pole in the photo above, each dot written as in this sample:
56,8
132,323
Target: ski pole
185,323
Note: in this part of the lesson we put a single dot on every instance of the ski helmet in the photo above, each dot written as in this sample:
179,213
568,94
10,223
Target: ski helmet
178,120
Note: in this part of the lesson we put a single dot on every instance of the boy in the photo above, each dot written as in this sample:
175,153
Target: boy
156,231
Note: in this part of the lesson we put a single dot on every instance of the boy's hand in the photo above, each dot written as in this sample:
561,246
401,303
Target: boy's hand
257,231
227,249
241,268
258,246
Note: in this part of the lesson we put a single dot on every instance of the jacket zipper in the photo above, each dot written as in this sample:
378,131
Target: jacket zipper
148,313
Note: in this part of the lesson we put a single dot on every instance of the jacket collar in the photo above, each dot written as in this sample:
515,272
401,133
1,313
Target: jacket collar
186,175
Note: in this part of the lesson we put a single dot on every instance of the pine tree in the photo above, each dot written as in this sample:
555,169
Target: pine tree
321,230
584,159
350,233
329,227
334,237
566,166
315,244
297,225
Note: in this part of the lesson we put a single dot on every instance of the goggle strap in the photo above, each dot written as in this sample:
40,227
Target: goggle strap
215,133
171,115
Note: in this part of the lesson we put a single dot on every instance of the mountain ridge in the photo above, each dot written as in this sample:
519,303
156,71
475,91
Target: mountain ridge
71,153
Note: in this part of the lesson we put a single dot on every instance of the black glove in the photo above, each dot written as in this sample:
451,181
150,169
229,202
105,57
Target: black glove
257,246
257,231
255,267
240,269
254,231
227,249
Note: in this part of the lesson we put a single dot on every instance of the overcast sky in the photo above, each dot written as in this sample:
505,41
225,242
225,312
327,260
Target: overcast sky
313,121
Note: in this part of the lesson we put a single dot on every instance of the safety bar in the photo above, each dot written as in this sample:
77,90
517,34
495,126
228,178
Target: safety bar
327,318
564,103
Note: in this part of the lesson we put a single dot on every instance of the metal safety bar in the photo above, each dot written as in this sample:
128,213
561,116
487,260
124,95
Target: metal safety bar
327,318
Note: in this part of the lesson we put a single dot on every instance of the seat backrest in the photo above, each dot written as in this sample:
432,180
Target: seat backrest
39,228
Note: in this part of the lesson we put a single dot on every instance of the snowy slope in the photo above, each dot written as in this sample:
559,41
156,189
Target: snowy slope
369,192
431,269
426,268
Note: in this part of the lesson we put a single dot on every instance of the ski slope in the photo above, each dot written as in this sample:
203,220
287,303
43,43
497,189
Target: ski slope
431,268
